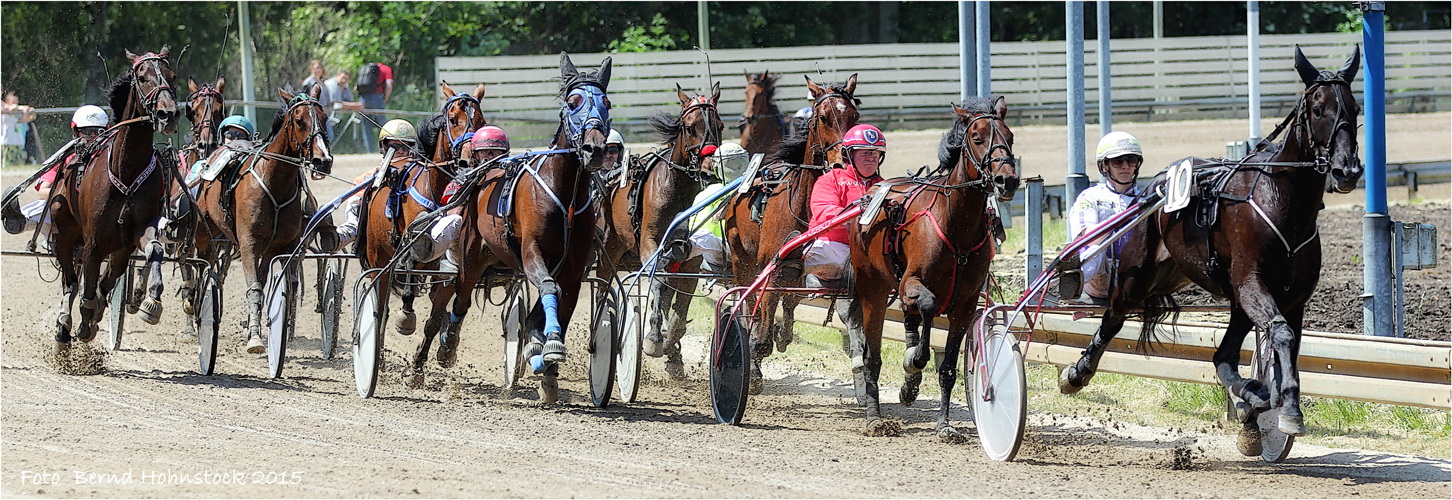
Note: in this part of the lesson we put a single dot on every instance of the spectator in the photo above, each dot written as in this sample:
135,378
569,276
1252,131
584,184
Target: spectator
375,87
15,119
316,70
337,96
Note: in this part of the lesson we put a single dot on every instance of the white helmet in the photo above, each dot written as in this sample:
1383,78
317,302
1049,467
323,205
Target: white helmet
1117,144
615,138
731,160
89,116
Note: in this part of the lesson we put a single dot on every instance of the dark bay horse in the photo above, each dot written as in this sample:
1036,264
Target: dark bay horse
258,206
939,231
547,232
635,213
762,124
205,111
104,212
1263,253
787,189
443,137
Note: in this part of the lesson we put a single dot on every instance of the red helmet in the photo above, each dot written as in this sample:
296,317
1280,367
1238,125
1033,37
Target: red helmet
864,136
490,137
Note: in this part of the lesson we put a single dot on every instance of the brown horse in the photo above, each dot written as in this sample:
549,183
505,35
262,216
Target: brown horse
634,214
762,124
787,187
547,233
259,206
205,111
931,246
104,212
1262,252
444,136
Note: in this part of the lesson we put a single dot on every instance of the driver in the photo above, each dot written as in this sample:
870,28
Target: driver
488,143
826,258
87,123
1119,157
397,137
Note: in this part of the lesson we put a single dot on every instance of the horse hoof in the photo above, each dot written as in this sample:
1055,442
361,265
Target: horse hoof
1065,385
554,349
881,427
754,383
858,364
653,345
150,311
549,389
448,350
87,332
675,370
907,361
255,345
908,393
1292,425
783,339
406,323
951,435
1248,442
416,381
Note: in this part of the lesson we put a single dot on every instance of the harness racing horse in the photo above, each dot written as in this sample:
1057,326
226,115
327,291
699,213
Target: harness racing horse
103,213
204,110
787,192
1261,251
636,211
258,206
931,246
403,196
538,218
762,125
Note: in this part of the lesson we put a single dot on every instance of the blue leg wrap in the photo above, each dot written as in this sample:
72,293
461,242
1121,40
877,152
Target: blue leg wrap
551,303
454,318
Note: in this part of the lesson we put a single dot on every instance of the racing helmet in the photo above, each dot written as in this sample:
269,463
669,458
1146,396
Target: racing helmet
730,160
863,136
615,138
490,137
399,130
1115,145
238,122
89,116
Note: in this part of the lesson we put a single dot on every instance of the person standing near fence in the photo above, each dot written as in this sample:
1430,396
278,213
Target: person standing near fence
375,87
15,119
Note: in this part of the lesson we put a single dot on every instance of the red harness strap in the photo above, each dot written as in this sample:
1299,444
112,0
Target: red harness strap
958,258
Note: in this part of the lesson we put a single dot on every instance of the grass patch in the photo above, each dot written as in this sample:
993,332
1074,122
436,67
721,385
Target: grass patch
1016,237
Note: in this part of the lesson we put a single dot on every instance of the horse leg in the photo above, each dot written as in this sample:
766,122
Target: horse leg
1285,337
680,296
874,312
150,308
1227,362
90,306
253,271
447,323
785,331
761,340
1074,377
65,254
654,343
958,325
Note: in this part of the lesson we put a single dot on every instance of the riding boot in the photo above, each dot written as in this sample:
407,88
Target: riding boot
328,239
440,238
10,214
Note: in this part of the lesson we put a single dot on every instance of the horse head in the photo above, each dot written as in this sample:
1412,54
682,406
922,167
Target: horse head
463,114
986,147
1327,119
151,82
585,116
204,110
760,89
834,111
301,127
699,132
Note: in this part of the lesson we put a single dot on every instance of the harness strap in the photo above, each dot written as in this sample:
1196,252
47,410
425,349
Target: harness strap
1292,251
135,184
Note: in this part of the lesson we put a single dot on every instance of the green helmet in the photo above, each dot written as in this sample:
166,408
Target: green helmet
238,121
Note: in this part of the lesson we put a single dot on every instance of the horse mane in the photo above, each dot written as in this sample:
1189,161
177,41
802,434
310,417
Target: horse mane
768,89
667,125
120,94
791,150
951,147
579,78
428,134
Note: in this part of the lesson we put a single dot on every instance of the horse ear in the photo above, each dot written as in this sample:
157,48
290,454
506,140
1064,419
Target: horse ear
192,84
221,83
604,73
130,56
765,74
284,94
813,88
316,92
448,91
1305,68
1353,64
716,92
957,110
165,51
479,91
851,86
681,95
749,79
567,67
1000,106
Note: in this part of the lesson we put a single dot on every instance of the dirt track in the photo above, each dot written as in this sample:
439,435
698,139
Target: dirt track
147,412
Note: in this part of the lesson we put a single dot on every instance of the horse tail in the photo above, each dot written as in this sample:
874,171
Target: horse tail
1152,315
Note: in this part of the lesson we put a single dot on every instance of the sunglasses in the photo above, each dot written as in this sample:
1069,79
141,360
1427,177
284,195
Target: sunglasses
612,150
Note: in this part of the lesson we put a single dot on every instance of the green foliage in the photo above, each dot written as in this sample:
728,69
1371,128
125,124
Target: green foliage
650,38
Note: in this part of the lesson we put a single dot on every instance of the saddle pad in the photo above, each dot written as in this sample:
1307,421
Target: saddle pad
501,201
211,170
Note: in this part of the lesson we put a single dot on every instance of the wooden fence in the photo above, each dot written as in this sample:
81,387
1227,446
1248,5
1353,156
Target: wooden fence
910,85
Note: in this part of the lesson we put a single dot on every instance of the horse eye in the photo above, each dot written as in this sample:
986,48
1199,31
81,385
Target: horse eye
574,101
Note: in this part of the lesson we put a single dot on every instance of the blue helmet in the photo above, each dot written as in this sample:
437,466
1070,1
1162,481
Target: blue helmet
238,121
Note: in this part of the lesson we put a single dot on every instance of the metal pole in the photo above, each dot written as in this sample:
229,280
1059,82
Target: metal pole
1252,48
966,51
1074,61
702,25
1106,103
981,29
244,36
1376,225
1034,233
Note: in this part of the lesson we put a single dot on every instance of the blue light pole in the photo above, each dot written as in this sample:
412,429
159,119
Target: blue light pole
1376,225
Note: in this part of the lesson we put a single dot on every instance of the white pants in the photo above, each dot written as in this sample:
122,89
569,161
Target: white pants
348,232
826,259
32,212
707,245
445,233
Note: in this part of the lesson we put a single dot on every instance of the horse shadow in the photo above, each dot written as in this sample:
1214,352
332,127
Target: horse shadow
229,381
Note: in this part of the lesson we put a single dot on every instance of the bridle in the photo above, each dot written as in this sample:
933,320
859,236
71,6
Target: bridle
983,164
306,160
708,111
1321,153
148,99
207,92
456,143
819,119
593,112
750,119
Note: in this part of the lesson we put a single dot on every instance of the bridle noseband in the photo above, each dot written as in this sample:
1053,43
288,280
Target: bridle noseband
206,92
148,99
983,164
1321,153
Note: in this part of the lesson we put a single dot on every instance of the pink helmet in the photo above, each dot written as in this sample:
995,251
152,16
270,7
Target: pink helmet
864,136
490,137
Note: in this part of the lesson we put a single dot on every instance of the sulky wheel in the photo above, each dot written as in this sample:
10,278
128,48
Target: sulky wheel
331,300
208,321
730,365
604,335
513,318
1275,445
998,394
281,296
370,314
116,311
634,320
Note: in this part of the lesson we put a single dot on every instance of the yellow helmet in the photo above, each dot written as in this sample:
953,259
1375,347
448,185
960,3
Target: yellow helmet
398,130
